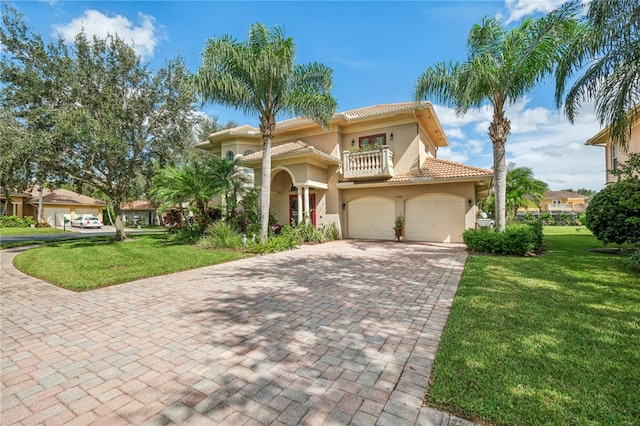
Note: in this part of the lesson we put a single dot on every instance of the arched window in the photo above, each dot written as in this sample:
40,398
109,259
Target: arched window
230,155
247,152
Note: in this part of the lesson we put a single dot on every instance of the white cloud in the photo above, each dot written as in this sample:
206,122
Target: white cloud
518,9
447,153
541,138
144,38
454,133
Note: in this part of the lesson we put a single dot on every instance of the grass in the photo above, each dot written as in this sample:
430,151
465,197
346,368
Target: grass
550,340
4,231
84,265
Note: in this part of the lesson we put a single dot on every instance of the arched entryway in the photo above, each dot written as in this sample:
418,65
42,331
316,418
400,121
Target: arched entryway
291,203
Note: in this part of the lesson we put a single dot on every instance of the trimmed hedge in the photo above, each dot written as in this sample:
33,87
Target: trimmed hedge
517,240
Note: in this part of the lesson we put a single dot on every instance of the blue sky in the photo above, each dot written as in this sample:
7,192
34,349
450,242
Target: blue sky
377,50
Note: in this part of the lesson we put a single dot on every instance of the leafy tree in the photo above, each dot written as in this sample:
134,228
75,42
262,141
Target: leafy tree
99,115
613,215
502,66
522,189
260,77
608,49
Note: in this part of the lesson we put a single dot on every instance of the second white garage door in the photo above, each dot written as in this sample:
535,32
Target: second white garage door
371,218
55,216
435,218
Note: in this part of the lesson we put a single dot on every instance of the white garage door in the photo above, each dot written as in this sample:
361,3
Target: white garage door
87,212
371,218
55,216
434,217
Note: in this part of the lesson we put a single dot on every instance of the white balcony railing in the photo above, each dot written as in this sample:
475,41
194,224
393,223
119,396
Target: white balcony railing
560,207
376,163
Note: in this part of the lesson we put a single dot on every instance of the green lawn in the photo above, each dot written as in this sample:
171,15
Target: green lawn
553,339
4,231
85,265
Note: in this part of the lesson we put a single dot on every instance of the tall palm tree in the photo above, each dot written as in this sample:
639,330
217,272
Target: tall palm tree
502,66
260,77
609,47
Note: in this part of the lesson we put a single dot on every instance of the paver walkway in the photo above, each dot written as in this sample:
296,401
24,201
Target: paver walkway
338,333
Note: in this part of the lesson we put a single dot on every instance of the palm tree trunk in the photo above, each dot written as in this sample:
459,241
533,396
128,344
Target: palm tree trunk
265,194
498,132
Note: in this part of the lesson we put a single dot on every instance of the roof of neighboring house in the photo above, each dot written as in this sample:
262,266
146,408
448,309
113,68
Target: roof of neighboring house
63,196
138,205
422,111
563,194
288,150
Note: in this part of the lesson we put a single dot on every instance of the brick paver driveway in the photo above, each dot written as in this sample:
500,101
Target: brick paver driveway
337,333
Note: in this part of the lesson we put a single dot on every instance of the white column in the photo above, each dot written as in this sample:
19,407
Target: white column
307,216
299,220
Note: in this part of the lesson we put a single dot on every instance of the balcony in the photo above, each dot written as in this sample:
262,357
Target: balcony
370,164
560,207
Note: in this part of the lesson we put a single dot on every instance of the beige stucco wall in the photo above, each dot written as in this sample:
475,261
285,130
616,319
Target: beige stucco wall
633,147
400,194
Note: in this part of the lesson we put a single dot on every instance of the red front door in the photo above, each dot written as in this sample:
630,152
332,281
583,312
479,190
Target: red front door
293,208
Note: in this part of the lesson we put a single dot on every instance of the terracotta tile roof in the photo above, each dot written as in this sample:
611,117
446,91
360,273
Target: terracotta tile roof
287,149
563,194
442,169
63,196
354,114
138,205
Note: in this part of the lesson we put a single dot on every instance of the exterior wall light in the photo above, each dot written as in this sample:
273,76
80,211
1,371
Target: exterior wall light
391,136
353,142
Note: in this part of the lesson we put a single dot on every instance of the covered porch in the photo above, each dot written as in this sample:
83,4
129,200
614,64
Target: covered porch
301,177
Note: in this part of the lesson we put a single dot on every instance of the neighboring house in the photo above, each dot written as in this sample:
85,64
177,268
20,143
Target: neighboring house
373,164
57,205
140,211
614,155
558,203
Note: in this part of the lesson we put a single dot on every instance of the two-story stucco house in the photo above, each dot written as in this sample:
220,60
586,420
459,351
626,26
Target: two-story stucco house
615,155
372,165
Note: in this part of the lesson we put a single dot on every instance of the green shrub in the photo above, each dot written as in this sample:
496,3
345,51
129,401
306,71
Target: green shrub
307,233
12,222
517,239
188,233
220,235
613,215
286,240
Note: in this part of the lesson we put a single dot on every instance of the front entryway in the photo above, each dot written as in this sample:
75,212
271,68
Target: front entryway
293,209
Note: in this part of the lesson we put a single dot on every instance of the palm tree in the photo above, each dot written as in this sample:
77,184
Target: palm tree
609,47
502,66
191,183
230,182
260,77
523,188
